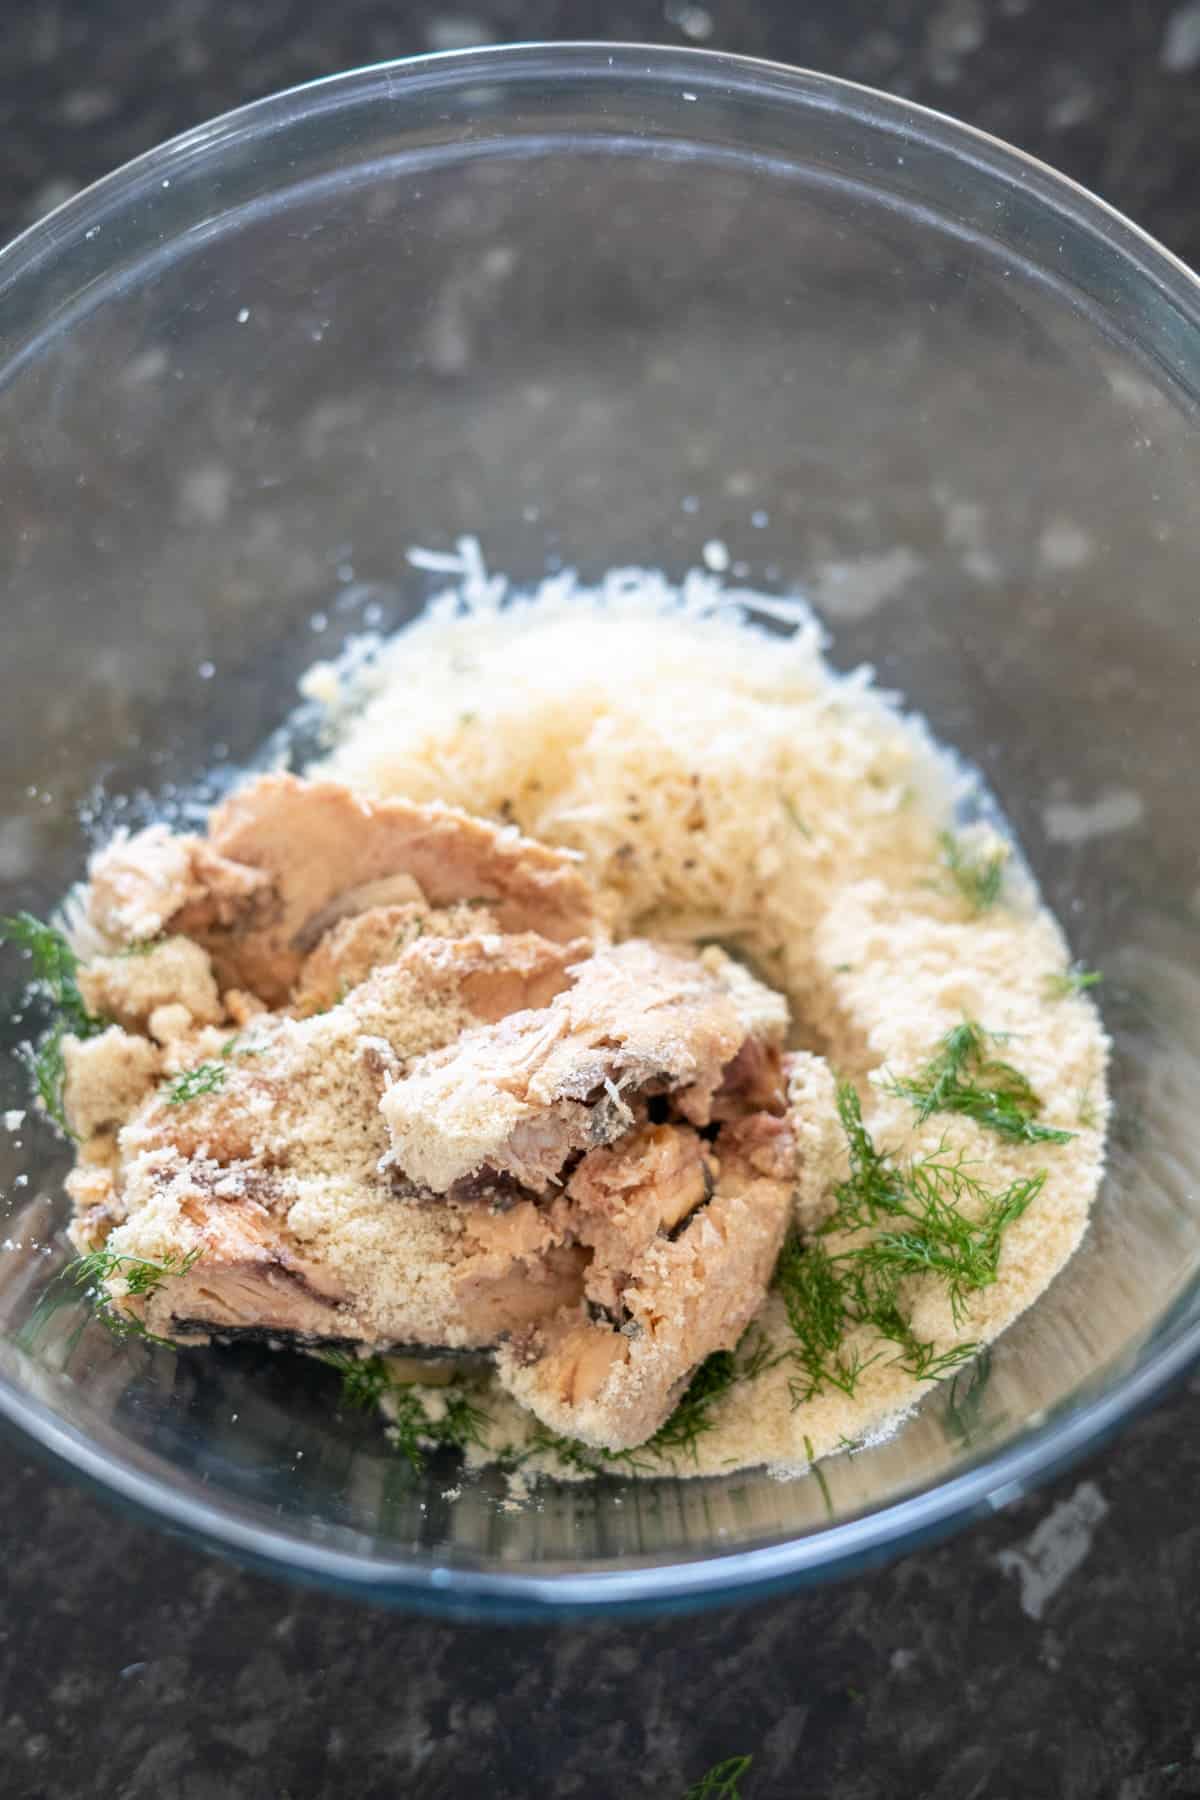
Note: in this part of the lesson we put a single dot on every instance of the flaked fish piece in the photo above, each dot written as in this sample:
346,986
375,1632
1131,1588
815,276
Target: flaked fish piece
623,1196
140,885
457,948
284,859
404,1275
521,1097
367,1270
379,1088
268,1173
611,1376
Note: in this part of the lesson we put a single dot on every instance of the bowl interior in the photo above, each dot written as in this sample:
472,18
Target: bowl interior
600,306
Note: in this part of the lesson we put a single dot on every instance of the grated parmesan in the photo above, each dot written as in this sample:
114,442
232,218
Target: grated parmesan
718,779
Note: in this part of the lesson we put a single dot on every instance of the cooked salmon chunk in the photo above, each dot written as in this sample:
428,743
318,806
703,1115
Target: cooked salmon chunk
686,1239
521,1097
376,1079
264,1167
284,859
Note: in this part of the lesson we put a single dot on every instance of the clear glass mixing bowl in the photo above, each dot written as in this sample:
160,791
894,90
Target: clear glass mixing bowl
602,304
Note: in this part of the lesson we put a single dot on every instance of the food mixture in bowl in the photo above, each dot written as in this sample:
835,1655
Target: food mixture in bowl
633,1047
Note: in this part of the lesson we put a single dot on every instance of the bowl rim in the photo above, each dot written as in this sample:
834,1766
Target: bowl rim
843,1546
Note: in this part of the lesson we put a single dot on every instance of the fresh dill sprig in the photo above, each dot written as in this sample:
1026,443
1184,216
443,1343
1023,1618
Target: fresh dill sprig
873,1184
55,971
816,1470
367,1381
48,1071
964,1396
145,948
414,1430
964,1077
1073,980
797,819
713,1379
723,1780
205,1078
815,1298
55,967
933,1217
143,1276
978,875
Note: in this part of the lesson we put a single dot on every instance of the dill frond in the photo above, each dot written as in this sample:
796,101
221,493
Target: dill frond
964,1396
932,1218
872,1187
797,820
144,948
143,1276
367,1381
715,1376
977,875
723,1780
937,1238
816,1470
963,1077
817,1302
205,1078
48,1071
55,968
1073,980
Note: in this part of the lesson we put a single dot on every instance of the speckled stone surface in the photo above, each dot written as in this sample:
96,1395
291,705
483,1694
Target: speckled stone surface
1054,1651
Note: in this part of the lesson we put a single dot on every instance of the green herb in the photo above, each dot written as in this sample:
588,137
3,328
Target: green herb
964,1397
1085,1110
142,1275
963,1077
205,1078
816,1470
55,968
816,1299
367,1381
1075,980
48,1069
412,1429
143,949
917,1225
978,875
713,1379
873,1184
723,1780
790,809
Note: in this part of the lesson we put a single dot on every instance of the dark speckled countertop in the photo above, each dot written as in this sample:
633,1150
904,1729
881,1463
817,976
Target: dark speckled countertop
1054,1651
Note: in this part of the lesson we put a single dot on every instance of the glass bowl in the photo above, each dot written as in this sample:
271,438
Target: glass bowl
601,304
